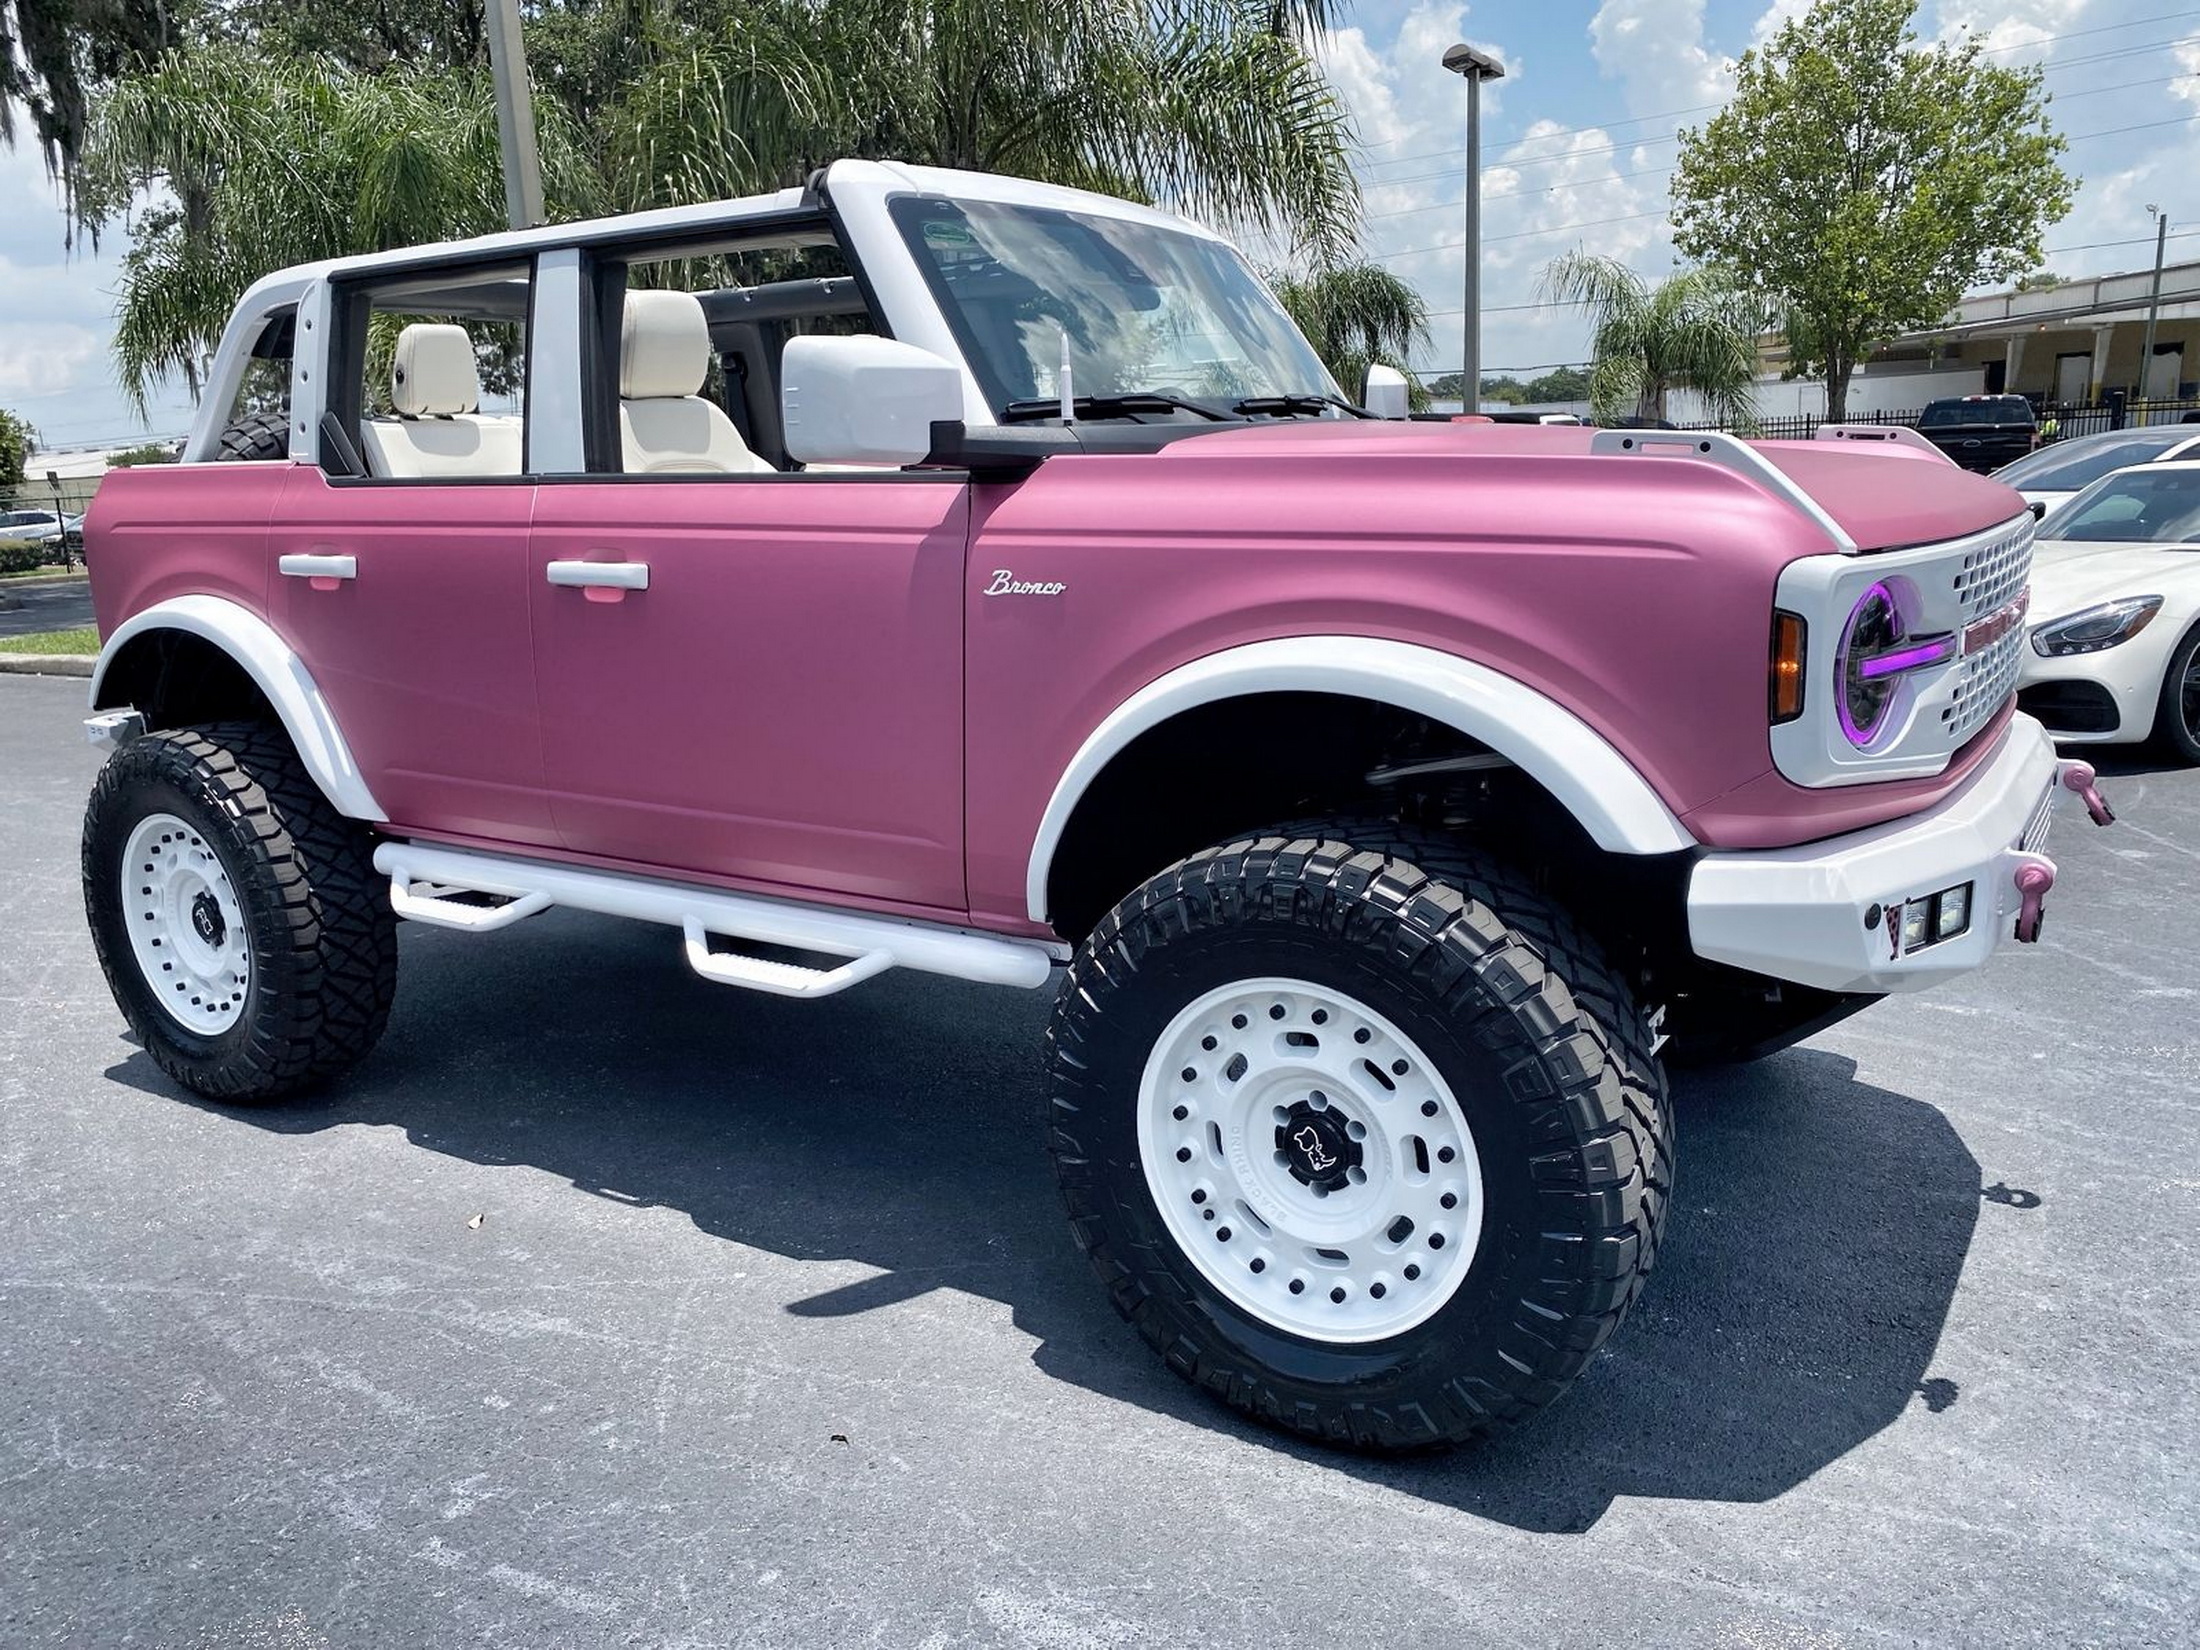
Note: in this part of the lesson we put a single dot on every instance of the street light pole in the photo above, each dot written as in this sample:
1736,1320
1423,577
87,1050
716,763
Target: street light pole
1474,67
60,527
2154,298
515,115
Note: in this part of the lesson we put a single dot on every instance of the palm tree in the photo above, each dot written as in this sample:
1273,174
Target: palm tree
1691,331
1215,107
1355,315
273,162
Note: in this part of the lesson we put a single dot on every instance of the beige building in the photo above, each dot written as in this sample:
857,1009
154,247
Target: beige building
2077,344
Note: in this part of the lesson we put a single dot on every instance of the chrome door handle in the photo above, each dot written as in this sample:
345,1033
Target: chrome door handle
318,567
601,575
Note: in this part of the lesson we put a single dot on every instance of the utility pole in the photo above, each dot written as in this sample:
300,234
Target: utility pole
515,115
1474,67
2154,298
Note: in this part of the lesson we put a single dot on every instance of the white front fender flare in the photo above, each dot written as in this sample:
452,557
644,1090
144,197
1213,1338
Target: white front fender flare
265,657
1548,742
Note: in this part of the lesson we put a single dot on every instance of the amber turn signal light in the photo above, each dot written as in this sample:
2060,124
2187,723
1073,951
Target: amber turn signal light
1789,634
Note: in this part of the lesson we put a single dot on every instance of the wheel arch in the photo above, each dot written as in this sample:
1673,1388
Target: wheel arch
1581,772
199,654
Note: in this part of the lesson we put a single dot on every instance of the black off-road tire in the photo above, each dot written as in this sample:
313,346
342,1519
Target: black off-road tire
321,934
256,438
2176,730
1541,1044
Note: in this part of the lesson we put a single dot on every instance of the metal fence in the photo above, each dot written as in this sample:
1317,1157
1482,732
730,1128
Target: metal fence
2069,418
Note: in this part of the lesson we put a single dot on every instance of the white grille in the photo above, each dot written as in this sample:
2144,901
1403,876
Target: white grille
1993,573
1992,576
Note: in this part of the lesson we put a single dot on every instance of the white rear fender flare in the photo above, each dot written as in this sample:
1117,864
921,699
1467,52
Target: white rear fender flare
1593,782
265,657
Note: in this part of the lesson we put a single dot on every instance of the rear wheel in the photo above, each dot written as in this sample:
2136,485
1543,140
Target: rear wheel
1348,1143
2177,717
236,913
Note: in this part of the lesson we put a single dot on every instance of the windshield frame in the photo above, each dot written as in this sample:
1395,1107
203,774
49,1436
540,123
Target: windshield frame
907,212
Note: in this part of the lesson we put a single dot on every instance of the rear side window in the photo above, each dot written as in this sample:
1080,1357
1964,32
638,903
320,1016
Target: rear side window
431,374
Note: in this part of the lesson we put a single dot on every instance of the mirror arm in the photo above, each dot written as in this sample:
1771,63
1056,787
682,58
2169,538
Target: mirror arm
1000,453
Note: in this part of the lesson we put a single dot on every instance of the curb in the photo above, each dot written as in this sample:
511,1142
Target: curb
46,664
38,581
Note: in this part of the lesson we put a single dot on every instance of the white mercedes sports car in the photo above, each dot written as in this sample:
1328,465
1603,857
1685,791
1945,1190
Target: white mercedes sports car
2115,615
2058,472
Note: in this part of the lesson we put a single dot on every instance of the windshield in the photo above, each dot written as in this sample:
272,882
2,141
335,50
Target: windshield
2070,465
2000,409
1142,308
2138,507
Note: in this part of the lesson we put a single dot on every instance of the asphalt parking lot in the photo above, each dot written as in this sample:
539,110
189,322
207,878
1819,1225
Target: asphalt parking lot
607,1307
61,605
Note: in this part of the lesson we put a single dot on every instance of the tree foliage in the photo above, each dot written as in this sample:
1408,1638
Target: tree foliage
271,162
1356,315
1860,182
1690,331
17,442
289,130
55,53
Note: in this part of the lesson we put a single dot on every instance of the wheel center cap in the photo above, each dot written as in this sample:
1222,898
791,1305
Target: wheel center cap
206,920
1316,1146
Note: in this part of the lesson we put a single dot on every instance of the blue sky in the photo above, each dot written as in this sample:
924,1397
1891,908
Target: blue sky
1577,147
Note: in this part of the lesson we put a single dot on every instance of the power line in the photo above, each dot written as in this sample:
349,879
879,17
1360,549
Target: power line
1667,171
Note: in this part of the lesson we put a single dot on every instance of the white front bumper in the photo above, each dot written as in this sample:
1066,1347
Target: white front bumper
1800,913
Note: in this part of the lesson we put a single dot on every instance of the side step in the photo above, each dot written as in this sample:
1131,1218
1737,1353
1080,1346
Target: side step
444,887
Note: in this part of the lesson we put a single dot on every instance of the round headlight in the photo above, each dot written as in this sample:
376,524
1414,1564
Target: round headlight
1874,628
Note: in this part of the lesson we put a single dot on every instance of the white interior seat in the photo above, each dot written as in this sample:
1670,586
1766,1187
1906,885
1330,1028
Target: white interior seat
665,426
437,431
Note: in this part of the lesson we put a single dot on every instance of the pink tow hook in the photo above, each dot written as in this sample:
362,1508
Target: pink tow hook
2035,875
2078,777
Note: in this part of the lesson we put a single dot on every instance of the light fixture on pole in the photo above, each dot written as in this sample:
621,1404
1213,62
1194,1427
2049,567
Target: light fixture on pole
1474,67
2154,299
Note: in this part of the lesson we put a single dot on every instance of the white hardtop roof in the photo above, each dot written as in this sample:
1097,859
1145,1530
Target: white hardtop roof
881,177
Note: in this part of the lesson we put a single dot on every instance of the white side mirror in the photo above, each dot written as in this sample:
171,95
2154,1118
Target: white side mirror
1383,392
863,400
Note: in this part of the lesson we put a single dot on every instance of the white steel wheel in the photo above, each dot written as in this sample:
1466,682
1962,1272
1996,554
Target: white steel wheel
1310,1160
187,930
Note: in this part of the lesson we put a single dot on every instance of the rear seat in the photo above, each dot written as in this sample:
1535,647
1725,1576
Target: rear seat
437,432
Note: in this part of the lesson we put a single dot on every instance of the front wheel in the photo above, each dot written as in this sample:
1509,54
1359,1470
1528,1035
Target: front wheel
1349,1147
236,913
2177,719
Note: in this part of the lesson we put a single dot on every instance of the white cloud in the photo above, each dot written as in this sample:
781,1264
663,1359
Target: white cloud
42,359
1655,50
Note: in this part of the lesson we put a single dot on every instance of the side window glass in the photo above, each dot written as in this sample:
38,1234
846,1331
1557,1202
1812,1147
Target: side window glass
696,355
436,374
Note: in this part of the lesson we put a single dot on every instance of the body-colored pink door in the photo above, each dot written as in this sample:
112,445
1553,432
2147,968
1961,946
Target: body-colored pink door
409,601
781,703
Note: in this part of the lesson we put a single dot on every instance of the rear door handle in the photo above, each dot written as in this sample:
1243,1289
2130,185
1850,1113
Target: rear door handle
331,569
601,575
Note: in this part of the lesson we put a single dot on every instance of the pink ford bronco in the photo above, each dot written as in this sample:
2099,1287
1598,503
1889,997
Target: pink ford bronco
937,571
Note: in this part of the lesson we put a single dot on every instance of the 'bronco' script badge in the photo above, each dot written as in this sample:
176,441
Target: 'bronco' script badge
1006,583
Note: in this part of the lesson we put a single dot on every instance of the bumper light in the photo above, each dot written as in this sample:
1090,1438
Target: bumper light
2096,628
1936,917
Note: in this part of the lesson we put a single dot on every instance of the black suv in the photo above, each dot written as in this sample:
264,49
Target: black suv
1981,432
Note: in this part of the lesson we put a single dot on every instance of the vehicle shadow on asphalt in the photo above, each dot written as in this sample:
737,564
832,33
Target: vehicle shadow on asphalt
1819,1230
